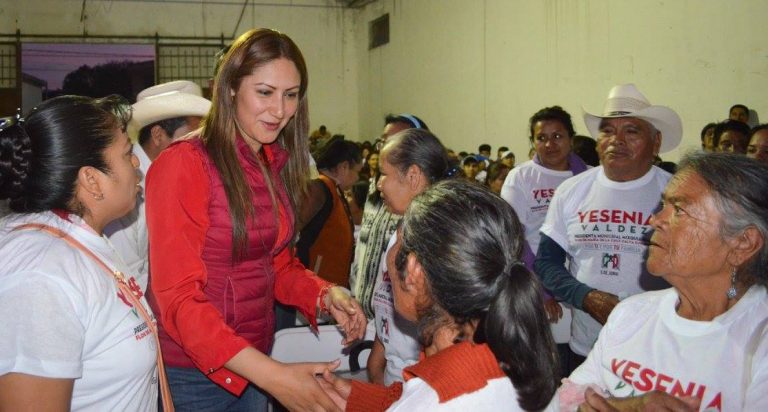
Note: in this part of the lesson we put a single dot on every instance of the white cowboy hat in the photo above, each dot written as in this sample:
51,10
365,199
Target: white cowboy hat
168,100
626,101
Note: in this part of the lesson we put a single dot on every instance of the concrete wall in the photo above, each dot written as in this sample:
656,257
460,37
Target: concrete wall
477,70
474,70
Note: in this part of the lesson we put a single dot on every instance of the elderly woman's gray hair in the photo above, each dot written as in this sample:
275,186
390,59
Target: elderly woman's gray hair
740,188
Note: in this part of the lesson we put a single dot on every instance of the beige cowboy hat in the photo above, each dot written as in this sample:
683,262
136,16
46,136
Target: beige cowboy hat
626,101
166,101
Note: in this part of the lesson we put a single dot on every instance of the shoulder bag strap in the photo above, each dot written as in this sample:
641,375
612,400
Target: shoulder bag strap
119,278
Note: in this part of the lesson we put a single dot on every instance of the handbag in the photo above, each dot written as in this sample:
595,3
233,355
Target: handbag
122,285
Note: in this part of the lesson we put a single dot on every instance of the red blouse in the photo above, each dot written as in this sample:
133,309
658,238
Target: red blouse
177,202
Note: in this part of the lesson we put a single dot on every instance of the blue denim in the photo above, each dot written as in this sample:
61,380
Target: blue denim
193,391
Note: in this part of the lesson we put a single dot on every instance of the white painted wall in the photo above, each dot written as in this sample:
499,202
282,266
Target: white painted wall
474,70
477,70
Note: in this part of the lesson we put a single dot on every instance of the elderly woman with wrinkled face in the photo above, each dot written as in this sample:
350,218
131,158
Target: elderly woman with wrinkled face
699,345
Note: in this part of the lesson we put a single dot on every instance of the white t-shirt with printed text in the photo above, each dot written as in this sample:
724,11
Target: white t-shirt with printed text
398,335
64,317
529,189
604,228
646,345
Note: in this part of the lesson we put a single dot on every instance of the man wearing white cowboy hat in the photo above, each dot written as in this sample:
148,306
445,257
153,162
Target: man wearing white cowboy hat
161,114
598,219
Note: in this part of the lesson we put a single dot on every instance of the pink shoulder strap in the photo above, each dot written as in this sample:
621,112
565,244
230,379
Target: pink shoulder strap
122,284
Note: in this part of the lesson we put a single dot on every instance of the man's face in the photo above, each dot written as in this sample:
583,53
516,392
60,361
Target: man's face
739,114
192,123
627,147
470,169
758,146
732,141
392,128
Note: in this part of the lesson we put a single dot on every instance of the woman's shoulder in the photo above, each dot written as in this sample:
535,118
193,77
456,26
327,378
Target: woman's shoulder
633,312
189,147
642,301
33,254
180,158
419,395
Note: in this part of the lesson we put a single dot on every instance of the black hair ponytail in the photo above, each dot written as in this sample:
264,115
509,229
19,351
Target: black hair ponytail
15,159
518,332
469,242
42,155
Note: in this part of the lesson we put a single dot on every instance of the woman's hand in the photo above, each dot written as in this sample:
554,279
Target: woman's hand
338,389
553,309
292,384
347,313
651,401
296,387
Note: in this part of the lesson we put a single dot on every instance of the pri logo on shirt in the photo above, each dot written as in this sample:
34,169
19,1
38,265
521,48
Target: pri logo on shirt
611,261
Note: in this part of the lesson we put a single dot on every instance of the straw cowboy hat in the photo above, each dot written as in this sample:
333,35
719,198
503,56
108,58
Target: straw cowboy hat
626,101
168,100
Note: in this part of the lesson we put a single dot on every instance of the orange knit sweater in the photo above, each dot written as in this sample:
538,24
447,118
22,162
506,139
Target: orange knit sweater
460,369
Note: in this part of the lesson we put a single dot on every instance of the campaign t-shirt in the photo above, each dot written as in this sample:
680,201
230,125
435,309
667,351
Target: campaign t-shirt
604,228
64,317
529,189
401,347
646,346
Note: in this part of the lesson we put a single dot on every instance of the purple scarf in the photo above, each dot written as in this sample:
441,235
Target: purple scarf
574,162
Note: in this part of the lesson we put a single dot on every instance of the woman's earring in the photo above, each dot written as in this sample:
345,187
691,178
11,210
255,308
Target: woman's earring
732,290
98,196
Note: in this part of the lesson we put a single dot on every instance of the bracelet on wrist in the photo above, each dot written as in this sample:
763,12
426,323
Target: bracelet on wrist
322,305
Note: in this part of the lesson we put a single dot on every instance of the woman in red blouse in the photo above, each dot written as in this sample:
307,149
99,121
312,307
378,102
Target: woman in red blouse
220,216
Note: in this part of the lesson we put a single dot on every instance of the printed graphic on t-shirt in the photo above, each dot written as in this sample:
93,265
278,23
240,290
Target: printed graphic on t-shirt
612,233
141,331
135,289
384,304
635,379
542,197
539,203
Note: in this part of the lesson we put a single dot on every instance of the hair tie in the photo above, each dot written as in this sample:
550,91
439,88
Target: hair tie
414,121
11,121
508,269
452,171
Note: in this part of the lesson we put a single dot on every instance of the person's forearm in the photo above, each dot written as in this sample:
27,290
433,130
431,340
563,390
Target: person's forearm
254,366
377,363
20,391
550,267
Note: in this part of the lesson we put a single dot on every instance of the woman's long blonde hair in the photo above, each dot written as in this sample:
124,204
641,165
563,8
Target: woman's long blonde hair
249,52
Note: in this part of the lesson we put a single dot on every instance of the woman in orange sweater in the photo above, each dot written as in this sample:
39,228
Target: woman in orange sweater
482,326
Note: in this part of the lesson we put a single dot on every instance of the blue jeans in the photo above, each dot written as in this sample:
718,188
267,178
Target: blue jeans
193,391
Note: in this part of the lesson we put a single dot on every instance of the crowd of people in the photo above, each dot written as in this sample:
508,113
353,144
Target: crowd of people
154,275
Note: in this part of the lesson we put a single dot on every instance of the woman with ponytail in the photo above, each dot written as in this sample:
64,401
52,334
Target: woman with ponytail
77,332
481,323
